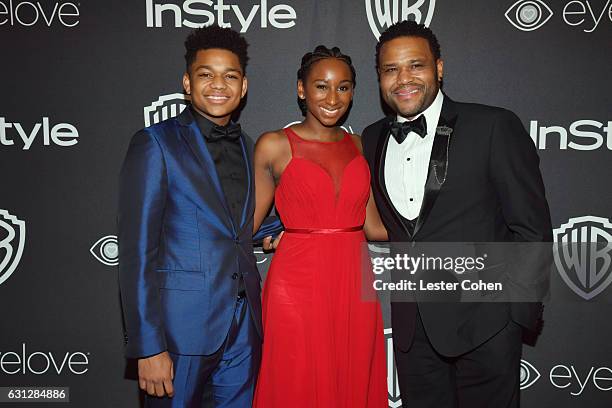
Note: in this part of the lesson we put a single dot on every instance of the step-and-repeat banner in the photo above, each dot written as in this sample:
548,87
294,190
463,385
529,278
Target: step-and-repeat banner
77,79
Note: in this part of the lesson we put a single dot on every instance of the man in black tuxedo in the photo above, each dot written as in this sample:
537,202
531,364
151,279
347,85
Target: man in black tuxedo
444,171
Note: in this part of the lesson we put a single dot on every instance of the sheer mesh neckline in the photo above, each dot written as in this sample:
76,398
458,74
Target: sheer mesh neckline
330,157
294,133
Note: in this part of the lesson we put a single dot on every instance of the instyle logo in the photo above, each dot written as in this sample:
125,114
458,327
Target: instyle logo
582,135
583,254
12,242
27,14
106,250
16,134
165,107
587,15
528,375
384,13
393,390
198,13
43,362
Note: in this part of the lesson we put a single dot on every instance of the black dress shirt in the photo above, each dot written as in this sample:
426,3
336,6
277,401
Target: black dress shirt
230,166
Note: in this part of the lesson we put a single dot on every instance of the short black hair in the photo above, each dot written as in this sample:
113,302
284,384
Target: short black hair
321,52
216,37
408,28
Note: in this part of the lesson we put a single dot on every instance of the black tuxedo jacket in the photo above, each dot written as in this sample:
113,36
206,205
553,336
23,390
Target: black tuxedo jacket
483,185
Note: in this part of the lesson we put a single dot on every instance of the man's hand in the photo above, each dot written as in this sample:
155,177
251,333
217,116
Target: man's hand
268,245
155,375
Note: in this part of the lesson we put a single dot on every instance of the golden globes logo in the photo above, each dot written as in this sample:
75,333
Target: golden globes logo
384,13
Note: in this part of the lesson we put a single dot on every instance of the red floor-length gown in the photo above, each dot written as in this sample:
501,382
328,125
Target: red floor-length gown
323,342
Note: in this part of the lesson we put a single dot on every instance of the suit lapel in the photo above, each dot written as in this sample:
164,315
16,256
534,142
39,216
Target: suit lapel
247,154
438,161
194,138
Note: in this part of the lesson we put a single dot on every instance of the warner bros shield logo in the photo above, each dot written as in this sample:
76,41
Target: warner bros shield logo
166,107
12,242
583,254
384,13
393,390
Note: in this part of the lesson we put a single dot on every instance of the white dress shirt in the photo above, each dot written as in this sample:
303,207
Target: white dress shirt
406,164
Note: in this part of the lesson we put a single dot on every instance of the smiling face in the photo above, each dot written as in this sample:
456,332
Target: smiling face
216,84
327,90
409,75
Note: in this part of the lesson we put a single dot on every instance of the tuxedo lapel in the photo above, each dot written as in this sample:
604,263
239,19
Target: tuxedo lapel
438,161
194,138
379,165
247,154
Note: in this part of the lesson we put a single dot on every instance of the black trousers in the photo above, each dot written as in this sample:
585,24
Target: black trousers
486,377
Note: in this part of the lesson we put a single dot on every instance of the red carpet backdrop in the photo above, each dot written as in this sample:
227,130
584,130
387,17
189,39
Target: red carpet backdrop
78,78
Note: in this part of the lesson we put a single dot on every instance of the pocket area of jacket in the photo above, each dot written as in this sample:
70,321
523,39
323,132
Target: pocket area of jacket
183,280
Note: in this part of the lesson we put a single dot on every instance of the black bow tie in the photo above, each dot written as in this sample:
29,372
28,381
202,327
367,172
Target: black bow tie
400,130
230,132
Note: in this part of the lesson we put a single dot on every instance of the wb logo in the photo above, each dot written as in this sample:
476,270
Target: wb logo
583,254
384,13
166,107
12,242
528,15
392,381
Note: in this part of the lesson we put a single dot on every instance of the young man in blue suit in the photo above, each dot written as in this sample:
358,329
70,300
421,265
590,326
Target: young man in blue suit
189,283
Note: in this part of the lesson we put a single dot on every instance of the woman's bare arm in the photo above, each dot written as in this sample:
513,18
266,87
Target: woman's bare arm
272,153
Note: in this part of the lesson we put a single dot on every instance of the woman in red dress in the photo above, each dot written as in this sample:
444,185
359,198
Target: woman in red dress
323,340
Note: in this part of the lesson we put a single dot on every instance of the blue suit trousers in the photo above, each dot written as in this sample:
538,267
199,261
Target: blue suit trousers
225,379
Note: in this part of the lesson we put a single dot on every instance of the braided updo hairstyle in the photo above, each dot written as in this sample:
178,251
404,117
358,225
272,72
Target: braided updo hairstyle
321,52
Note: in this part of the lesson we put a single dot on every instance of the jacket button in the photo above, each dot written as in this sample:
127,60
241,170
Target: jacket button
234,276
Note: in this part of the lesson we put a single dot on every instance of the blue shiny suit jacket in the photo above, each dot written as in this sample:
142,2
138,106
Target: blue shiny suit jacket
180,253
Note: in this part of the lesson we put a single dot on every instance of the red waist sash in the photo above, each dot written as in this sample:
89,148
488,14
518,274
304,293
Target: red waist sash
322,230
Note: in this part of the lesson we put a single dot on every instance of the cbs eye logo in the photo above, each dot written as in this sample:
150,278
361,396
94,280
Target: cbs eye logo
106,250
528,376
528,15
